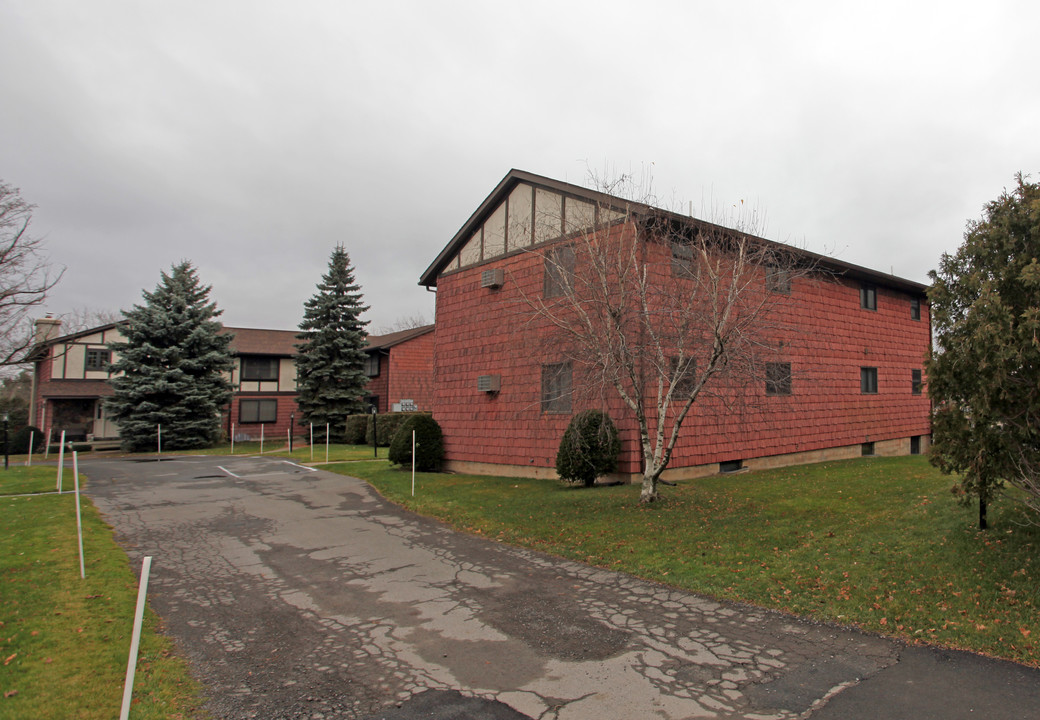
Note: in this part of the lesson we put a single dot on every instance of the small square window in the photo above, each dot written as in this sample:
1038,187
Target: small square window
778,378
97,359
915,382
685,377
868,380
915,445
867,449
257,411
556,388
731,466
868,297
682,259
915,308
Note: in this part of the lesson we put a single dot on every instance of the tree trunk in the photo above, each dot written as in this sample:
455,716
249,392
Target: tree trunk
648,493
982,514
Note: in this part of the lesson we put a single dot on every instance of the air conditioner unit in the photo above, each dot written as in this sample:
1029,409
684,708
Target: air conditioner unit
492,278
489,383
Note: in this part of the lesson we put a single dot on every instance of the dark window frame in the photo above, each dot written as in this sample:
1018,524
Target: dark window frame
684,387
915,308
778,379
557,388
868,296
683,261
868,380
372,361
868,449
559,271
916,382
778,280
257,410
97,359
254,366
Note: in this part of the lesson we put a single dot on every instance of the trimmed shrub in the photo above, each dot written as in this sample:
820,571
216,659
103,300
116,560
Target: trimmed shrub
429,443
357,426
589,448
387,424
19,440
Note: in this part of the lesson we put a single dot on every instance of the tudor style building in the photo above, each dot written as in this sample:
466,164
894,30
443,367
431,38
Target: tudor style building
70,380
851,385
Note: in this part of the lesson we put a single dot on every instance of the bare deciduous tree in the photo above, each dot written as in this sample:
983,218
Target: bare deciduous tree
26,275
666,310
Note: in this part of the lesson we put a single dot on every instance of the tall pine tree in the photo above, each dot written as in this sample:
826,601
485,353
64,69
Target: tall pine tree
330,363
172,370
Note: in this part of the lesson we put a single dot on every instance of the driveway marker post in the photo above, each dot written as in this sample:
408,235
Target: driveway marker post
232,438
135,642
312,442
326,443
47,447
261,438
61,459
158,454
413,463
79,520
28,460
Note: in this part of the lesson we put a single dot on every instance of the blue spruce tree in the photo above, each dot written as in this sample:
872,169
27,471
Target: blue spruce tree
172,370
330,363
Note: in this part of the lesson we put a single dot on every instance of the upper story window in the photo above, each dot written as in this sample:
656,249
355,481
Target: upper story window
868,297
778,280
915,308
372,365
97,359
915,382
559,271
259,368
778,378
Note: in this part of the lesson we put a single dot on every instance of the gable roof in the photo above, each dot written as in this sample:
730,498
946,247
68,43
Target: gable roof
255,341
385,342
514,177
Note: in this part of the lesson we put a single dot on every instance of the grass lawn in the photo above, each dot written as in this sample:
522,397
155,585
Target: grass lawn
65,641
878,543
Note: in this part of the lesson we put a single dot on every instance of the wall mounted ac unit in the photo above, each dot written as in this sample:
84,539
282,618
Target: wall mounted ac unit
489,383
492,278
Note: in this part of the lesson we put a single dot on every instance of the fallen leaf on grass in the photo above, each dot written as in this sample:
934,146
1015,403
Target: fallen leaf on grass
1025,631
10,693
9,658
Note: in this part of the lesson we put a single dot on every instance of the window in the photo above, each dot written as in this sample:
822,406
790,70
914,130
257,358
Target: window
915,308
868,297
778,280
259,368
372,365
868,380
257,411
915,445
731,466
685,377
682,259
867,449
778,378
556,388
915,382
559,271
97,359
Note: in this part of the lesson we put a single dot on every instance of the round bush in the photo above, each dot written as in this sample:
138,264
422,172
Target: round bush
429,443
19,440
589,448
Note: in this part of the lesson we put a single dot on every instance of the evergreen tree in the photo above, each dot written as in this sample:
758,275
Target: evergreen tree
330,363
984,372
172,370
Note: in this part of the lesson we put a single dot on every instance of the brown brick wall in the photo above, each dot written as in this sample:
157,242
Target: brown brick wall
411,372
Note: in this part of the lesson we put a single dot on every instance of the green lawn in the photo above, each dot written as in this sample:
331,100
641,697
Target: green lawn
64,640
879,543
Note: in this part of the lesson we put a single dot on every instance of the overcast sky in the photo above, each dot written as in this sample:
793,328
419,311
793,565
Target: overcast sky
251,137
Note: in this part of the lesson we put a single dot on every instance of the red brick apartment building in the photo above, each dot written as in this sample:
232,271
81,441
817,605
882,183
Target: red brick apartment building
70,379
855,364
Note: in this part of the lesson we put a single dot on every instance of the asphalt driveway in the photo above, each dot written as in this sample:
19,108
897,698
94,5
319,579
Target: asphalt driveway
296,593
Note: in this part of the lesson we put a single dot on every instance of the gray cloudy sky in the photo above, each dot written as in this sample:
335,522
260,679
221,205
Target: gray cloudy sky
252,136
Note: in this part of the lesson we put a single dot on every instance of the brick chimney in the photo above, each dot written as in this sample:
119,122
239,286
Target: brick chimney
47,328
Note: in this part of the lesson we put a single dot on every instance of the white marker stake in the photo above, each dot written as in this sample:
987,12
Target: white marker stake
135,642
159,440
288,437
47,447
61,458
232,438
326,443
413,463
28,460
79,521
261,439
312,442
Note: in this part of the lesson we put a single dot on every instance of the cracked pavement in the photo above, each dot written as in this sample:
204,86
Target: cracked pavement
296,593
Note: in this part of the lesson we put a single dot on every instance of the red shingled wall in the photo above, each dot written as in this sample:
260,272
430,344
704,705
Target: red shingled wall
484,331
411,372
